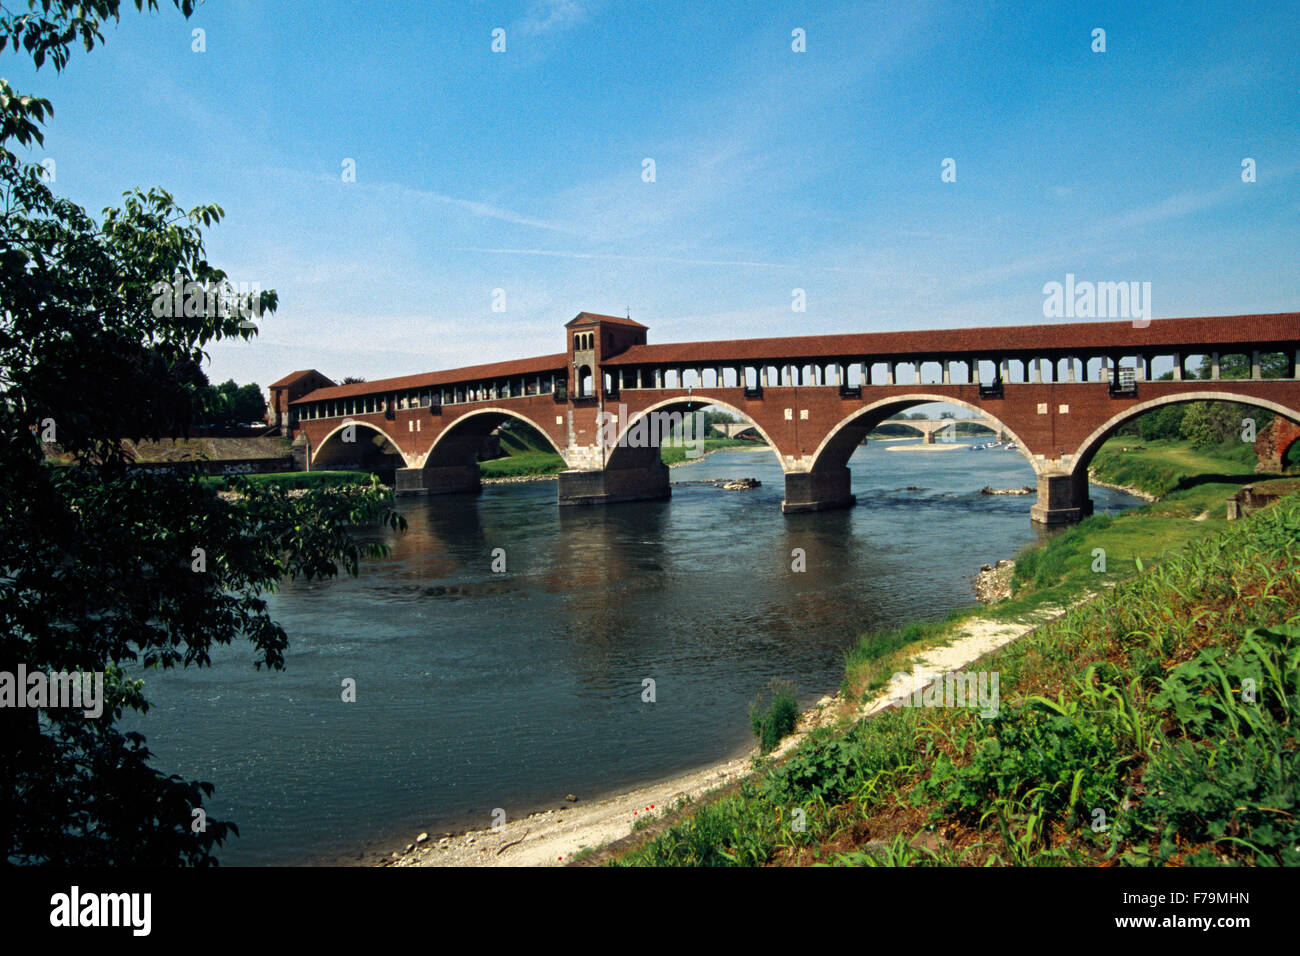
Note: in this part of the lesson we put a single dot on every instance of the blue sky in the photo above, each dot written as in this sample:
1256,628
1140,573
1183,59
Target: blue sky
775,170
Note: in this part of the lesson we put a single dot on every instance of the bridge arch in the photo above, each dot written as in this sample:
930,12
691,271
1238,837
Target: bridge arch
627,456
459,442
843,440
366,451
1084,454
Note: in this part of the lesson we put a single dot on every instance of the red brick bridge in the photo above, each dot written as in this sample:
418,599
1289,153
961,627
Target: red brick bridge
1058,391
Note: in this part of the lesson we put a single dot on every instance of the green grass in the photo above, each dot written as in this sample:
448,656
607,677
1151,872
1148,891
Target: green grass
524,463
773,717
293,479
675,454
1164,465
528,453
878,655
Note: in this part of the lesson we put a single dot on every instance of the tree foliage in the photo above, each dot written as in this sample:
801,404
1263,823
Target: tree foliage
231,404
105,569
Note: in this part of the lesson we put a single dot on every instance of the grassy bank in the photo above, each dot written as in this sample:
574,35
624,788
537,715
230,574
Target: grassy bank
525,461
1152,724
292,479
1163,466
676,455
522,464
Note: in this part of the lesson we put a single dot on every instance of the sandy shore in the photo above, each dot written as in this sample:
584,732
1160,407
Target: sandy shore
553,837
937,446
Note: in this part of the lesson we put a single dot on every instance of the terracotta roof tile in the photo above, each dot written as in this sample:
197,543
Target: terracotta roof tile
473,373
1049,336
606,319
294,376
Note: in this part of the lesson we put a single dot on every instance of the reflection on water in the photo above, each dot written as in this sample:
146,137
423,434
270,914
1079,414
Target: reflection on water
478,690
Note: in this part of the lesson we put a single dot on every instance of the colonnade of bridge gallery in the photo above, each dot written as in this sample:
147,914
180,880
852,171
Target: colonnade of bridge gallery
1105,367
465,393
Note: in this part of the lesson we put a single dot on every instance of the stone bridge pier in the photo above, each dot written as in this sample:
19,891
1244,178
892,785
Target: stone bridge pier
597,478
439,480
821,489
1062,497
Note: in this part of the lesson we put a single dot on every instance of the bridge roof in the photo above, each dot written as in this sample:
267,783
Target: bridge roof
1048,337
294,376
472,373
584,318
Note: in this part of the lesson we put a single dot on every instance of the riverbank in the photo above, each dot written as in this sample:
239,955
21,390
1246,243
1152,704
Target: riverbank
1133,490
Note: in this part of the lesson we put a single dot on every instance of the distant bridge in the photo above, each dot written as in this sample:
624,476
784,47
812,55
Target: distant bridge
929,427
731,430
1058,390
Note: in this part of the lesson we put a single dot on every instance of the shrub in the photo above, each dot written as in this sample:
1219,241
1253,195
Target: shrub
774,717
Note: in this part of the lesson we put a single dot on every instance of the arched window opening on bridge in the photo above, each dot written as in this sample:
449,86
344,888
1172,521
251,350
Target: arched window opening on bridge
584,382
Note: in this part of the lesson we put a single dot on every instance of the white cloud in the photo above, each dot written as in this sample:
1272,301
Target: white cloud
546,16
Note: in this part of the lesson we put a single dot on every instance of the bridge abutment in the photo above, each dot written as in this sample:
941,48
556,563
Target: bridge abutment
821,490
1062,498
607,486
438,480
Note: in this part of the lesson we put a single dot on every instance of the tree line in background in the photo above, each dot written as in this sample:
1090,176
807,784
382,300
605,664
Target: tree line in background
227,404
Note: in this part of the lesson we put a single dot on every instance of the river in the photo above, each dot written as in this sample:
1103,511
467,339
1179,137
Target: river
478,690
